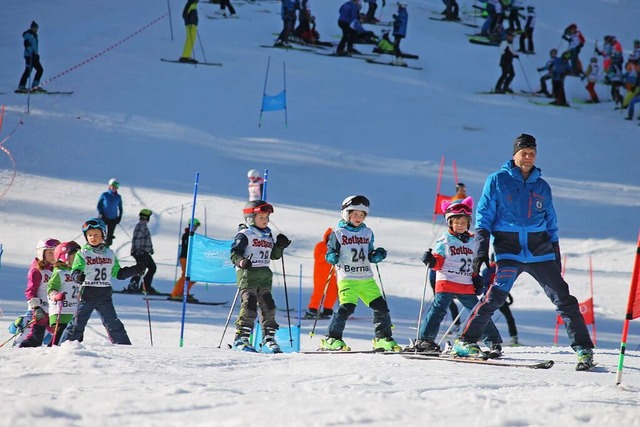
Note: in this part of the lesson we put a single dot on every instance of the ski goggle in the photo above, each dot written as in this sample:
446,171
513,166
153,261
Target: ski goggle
459,209
356,201
92,223
49,243
266,207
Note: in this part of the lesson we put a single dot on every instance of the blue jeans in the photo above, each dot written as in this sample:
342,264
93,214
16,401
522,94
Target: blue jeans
99,299
548,275
431,324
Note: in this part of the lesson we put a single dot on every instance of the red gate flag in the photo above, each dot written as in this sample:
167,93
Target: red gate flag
586,309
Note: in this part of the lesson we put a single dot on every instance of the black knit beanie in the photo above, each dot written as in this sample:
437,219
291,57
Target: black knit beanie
524,141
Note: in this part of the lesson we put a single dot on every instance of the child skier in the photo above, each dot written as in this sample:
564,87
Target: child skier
350,249
39,274
62,290
591,74
93,267
452,261
178,288
251,252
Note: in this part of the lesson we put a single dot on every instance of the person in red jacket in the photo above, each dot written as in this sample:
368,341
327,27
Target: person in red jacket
321,271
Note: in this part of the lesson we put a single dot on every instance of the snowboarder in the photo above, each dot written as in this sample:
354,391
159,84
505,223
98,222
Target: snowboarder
351,249
516,209
31,59
451,260
190,16
506,64
110,209
252,250
93,267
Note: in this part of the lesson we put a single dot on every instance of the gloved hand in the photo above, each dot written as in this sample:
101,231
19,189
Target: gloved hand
38,313
477,263
377,255
78,276
282,241
118,220
244,263
478,284
556,250
509,300
332,258
428,259
60,296
140,268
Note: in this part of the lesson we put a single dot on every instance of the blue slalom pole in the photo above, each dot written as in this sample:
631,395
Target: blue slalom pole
264,91
264,185
188,266
284,73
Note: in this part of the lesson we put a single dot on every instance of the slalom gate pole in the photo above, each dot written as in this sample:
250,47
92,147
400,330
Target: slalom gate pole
286,300
187,271
324,295
424,296
226,324
170,20
264,93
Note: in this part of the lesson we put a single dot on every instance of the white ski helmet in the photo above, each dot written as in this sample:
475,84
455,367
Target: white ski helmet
114,182
253,173
42,245
354,203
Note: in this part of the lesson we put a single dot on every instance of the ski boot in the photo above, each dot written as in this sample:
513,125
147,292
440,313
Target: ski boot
495,352
243,344
269,345
333,344
423,346
385,344
585,360
467,349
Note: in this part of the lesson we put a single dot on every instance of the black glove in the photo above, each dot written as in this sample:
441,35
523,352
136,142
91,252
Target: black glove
38,313
244,263
556,250
478,284
428,259
78,276
477,263
509,300
140,268
282,241
377,255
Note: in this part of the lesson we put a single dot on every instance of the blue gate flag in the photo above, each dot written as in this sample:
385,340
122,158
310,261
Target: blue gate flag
274,102
210,261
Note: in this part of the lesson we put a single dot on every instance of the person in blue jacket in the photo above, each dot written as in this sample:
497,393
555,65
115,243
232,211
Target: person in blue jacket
31,59
348,13
288,15
400,21
516,208
110,209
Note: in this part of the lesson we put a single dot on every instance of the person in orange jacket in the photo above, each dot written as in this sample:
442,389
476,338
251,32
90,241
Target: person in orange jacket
321,270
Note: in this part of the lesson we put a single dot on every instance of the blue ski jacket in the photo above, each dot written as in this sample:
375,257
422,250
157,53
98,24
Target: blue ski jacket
519,215
110,205
30,43
400,21
348,12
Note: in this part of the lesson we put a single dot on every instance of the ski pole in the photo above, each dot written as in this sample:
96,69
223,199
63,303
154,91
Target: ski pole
381,285
324,295
235,299
55,330
146,298
424,296
524,73
18,332
204,56
286,300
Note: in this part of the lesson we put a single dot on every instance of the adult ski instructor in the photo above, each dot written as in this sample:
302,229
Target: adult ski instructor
516,208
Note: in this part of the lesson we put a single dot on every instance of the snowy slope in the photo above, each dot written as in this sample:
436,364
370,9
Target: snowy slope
353,128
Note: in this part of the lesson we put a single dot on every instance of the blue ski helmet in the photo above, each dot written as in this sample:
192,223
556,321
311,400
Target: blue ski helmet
94,223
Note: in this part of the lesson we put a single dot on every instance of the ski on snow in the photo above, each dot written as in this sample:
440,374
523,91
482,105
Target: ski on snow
403,65
455,22
544,364
548,104
290,47
217,64
212,303
126,292
44,92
